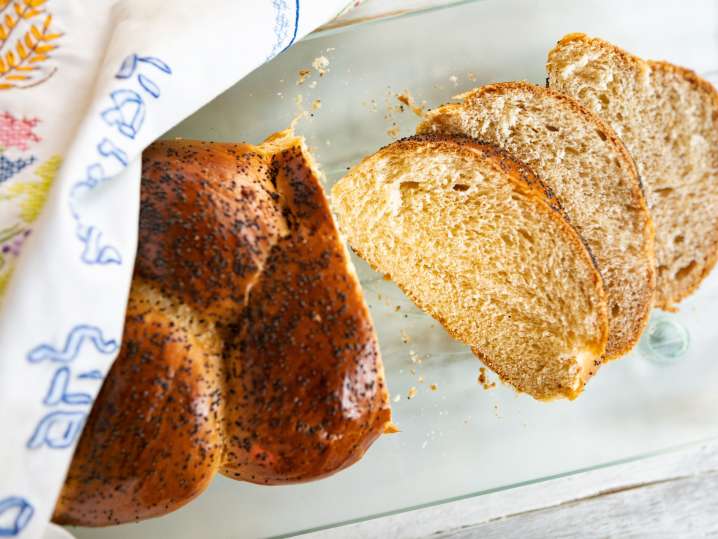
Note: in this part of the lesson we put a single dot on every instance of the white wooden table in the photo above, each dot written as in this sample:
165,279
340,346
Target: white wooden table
674,494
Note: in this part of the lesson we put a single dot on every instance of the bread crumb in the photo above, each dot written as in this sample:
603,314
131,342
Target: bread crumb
303,75
414,357
313,84
397,397
484,381
405,338
330,49
406,98
397,308
393,132
321,64
412,393
299,101
423,446
454,80
328,142
390,428
316,104
434,387
471,76
421,379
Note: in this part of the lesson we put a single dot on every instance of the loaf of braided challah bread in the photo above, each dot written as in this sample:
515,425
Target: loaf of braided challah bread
248,349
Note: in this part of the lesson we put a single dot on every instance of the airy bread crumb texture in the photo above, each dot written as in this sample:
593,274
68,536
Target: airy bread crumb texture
668,118
473,239
580,158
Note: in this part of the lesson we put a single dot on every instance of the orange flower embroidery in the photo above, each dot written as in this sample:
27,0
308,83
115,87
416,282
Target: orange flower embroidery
25,43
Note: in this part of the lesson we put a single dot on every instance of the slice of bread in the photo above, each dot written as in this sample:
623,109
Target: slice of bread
580,158
478,242
668,118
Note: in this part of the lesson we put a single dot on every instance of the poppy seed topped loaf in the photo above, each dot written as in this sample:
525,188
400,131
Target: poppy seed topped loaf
248,349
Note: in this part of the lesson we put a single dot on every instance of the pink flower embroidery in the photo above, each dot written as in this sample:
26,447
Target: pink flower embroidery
16,132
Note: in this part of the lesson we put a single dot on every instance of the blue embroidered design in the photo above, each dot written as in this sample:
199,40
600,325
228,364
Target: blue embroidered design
127,114
129,65
107,148
282,25
149,86
60,428
9,167
57,430
58,390
15,514
76,338
94,252
91,375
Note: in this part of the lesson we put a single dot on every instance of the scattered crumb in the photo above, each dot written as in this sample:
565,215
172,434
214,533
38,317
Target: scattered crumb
412,393
397,397
434,387
421,379
405,338
303,75
316,104
484,381
415,358
330,49
313,84
386,277
328,142
393,132
412,371
406,98
454,80
371,105
391,428
471,76
280,95
423,446
299,100
397,308
321,64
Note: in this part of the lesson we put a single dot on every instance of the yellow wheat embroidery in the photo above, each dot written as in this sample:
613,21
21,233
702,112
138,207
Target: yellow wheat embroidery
25,43
31,197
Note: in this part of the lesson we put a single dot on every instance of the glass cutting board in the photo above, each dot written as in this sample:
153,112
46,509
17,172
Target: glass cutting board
460,439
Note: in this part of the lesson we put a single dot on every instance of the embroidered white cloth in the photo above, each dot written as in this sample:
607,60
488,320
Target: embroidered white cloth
84,87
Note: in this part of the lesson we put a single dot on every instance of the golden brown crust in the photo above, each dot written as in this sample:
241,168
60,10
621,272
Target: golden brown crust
248,348
148,446
661,301
614,350
522,177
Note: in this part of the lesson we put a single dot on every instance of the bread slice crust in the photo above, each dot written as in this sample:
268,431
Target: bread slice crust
668,291
548,205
